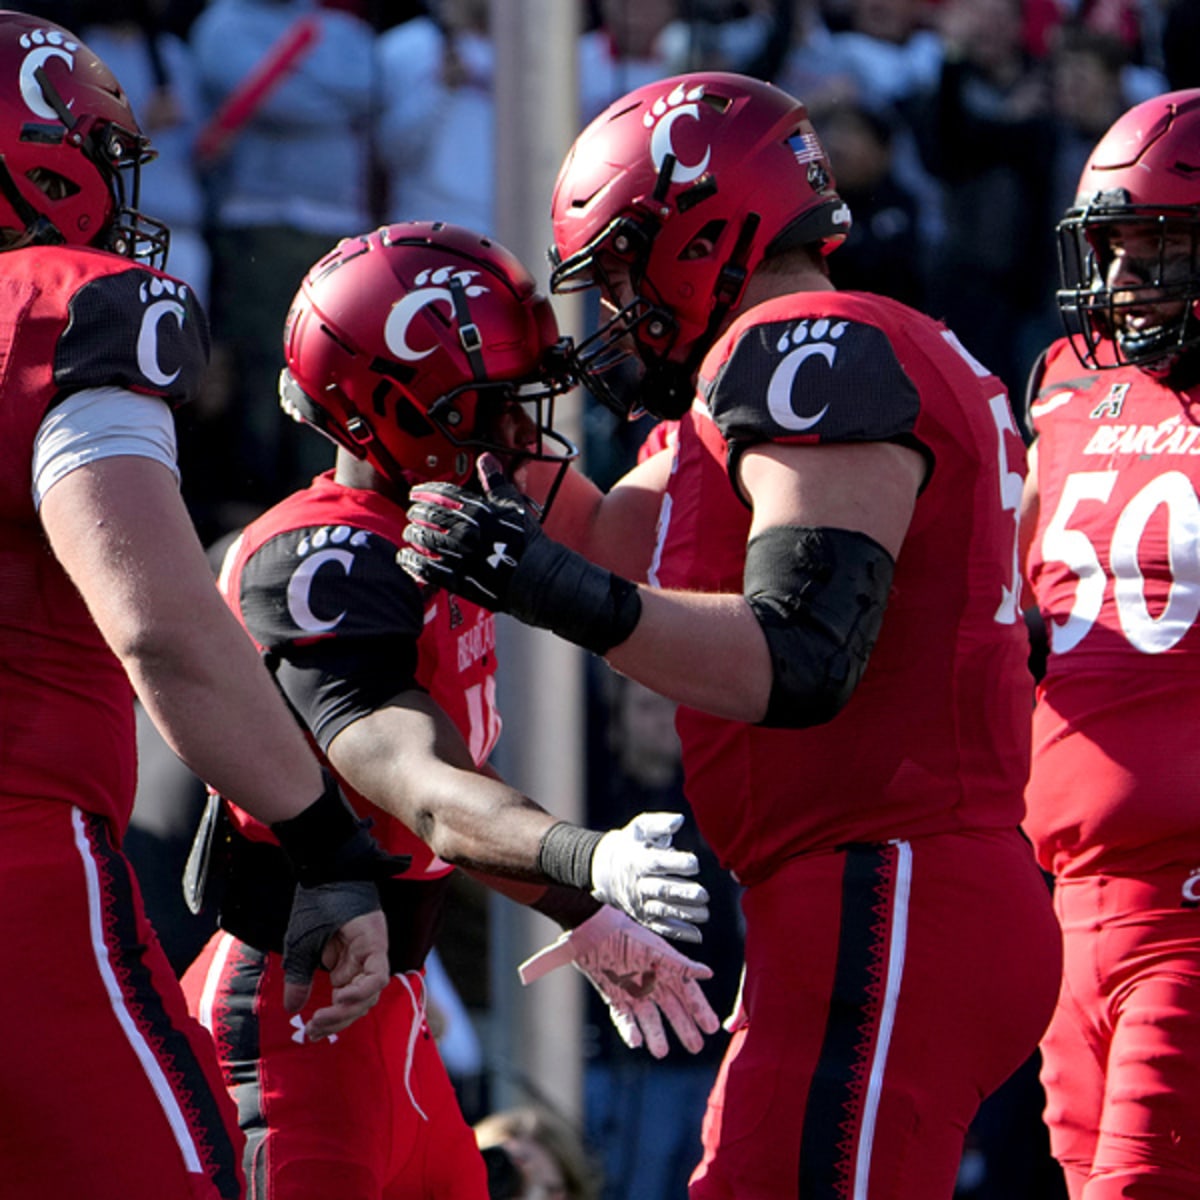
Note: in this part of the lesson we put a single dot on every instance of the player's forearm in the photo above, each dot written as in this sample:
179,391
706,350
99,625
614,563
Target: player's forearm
409,760
615,529
705,651
493,829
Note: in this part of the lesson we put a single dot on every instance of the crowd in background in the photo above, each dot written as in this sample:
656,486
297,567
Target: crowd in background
957,130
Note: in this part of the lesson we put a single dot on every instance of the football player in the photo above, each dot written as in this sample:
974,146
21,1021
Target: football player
1110,521
836,457
109,1089
414,348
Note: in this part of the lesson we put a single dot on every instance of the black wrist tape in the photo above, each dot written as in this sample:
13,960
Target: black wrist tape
567,906
565,854
314,838
574,598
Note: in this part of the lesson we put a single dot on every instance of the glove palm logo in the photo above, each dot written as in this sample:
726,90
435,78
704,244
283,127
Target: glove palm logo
500,555
636,984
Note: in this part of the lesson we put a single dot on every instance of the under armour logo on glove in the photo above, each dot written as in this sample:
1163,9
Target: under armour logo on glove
500,555
466,543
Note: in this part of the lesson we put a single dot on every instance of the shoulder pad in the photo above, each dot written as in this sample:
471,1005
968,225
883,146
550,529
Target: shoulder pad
137,329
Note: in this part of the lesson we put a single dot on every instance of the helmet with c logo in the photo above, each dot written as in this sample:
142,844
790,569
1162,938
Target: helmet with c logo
683,186
403,345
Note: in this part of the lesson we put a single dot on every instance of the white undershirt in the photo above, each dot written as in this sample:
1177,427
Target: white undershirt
101,423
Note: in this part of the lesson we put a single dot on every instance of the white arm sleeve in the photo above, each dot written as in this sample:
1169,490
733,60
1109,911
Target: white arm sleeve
101,423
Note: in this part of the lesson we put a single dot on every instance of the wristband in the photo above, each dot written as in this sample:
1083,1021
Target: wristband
314,839
565,854
557,589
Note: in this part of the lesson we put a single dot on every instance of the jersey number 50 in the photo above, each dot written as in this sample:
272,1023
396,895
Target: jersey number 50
1073,548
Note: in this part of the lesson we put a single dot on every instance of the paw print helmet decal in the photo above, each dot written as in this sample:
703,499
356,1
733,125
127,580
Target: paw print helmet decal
71,150
410,347
668,201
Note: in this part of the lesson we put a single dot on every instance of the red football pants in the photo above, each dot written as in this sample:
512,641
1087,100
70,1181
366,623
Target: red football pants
369,1114
889,989
108,1089
1121,1059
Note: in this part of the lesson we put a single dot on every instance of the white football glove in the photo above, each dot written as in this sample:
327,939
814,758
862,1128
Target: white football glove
636,870
640,977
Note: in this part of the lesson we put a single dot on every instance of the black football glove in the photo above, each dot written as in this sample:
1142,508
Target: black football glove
491,550
337,863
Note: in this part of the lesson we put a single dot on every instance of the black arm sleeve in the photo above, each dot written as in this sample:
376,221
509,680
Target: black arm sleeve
332,684
819,597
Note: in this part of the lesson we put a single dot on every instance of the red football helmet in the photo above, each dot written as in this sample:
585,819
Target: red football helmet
685,185
68,138
1142,180
405,345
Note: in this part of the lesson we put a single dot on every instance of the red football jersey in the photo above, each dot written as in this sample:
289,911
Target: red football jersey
320,569
72,319
936,737
1115,568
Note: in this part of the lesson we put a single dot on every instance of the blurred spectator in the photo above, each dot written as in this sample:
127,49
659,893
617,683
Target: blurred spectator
436,138
288,180
808,69
159,75
885,60
888,50
1087,95
882,252
723,35
550,1156
621,50
1181,43
1138,25
986,134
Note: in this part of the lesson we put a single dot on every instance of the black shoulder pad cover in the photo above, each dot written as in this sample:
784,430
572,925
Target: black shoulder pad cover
819,596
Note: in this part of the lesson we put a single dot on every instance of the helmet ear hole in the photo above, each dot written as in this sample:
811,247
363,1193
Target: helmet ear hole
51,184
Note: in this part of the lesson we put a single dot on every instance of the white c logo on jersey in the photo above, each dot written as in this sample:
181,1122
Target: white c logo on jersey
300,589
663,115
779,390
147,345
31,90
797,349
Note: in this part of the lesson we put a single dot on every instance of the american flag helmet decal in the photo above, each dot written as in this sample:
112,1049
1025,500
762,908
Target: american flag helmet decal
806,147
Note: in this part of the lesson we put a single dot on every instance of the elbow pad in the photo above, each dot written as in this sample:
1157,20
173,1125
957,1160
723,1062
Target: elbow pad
819,597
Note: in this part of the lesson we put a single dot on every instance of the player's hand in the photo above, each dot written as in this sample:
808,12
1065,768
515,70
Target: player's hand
640,977
467,543
341,927
336,919
491,550
636,869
